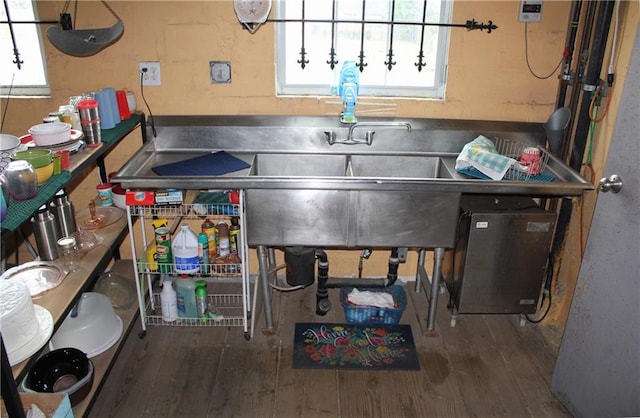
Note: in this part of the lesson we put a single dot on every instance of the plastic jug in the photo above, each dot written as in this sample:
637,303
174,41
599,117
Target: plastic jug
186,296
169,302
185,251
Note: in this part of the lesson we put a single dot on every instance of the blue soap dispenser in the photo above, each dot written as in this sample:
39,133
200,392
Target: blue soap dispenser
348,91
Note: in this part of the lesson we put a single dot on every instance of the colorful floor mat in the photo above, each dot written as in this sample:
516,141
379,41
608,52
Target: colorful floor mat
354,346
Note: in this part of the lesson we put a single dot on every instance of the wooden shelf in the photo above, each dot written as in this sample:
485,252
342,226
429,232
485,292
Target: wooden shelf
20,212
60,300
104,362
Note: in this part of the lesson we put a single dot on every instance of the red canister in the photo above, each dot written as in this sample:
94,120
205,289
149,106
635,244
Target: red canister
530,158
123,105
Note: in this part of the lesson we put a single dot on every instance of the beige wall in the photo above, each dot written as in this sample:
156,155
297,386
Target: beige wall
487,79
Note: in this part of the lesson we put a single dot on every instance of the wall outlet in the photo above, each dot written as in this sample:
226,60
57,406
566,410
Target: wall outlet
150,77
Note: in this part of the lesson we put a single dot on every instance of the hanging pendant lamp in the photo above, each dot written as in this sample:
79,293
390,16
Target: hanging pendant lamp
84,42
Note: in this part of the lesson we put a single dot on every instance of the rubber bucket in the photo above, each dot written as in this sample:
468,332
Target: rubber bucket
300,263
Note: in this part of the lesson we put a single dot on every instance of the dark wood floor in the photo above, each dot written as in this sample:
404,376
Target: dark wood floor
486,366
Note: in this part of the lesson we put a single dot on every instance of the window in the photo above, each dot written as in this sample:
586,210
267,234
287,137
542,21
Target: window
31,78
406,41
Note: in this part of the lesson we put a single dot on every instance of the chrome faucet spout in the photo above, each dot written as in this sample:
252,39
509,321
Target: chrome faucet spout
378,124
368,139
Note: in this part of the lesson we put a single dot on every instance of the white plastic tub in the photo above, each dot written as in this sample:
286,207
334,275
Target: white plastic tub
45,134
94,328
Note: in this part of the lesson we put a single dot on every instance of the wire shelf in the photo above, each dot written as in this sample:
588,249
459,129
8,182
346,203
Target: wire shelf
229,306
522,171
213,270
193,211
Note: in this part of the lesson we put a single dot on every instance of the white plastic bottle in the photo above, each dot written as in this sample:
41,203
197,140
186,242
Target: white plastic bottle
186,296
185,251
169,302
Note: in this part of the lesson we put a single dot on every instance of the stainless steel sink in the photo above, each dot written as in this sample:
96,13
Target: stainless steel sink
398,166
353,217
297,165
416,161
348,165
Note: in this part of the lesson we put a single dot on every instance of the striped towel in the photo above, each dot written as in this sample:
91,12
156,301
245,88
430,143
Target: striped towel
482,155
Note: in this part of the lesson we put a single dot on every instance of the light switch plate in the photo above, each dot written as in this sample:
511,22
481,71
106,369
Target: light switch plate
220,72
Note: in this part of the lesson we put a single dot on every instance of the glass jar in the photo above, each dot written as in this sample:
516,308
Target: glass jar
68,253
22,180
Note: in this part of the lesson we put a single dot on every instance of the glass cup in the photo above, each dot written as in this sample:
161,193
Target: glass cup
68,253
22,180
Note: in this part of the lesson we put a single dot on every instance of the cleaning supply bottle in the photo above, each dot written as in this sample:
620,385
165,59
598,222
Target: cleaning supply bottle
201,302
168,302
185,251
203,252
209,228
186,297
223,239
235,242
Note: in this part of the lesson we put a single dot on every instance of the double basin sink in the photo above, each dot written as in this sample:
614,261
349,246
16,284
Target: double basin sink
347,213
348,165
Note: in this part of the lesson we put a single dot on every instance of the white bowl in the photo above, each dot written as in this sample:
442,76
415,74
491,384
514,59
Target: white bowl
119,200
45,134
94,329
9,142
8,145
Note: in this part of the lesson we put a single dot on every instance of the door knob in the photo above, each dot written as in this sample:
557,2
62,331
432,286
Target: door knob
613,183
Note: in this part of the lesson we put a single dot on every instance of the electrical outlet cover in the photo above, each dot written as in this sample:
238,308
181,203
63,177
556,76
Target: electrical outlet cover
152,76
220,72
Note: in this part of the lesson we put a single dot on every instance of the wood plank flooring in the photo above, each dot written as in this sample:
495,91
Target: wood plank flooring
486,366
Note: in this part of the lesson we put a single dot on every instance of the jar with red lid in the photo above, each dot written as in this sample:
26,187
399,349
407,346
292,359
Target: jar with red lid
105,194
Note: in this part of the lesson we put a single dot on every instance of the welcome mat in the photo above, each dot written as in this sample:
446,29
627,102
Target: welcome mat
354,346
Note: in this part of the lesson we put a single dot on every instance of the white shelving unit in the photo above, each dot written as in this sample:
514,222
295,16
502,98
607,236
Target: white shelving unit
234,308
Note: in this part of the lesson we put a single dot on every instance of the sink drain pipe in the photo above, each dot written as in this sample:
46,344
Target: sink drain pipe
323,304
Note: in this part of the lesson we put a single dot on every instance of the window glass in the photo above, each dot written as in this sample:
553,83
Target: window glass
31,78
349,42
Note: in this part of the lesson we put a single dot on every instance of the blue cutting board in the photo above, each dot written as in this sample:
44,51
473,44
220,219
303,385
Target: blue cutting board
214,164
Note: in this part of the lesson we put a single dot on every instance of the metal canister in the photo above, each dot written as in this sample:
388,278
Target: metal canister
163,249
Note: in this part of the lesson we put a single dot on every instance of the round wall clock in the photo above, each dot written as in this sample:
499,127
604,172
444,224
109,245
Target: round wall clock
252,13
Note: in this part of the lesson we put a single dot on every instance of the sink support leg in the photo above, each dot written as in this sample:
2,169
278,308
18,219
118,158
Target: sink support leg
435,287
266,290
421,257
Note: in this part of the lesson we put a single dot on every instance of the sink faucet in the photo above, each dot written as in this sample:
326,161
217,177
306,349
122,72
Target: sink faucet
368,139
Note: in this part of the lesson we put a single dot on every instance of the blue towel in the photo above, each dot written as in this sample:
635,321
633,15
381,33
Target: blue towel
214,164
482,155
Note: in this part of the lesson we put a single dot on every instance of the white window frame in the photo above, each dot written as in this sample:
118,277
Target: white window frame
435,92
31,53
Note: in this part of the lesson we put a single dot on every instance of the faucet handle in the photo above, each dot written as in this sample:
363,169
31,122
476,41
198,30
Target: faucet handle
368,137
331,137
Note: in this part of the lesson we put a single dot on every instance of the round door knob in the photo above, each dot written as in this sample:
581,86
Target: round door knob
613,184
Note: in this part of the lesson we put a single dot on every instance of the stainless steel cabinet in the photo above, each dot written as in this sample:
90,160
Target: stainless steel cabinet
498,264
